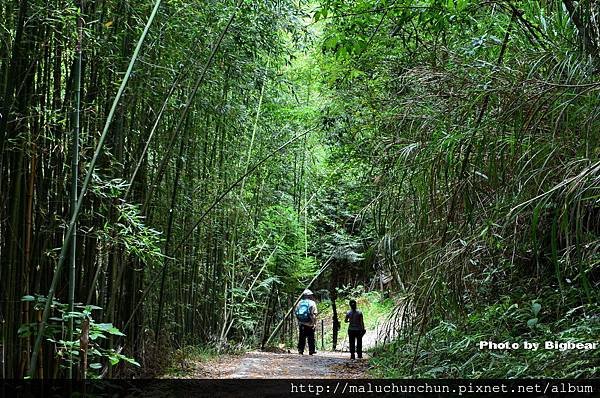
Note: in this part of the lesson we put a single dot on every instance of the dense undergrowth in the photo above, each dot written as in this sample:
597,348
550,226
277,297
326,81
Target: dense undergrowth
446,151
475,126
452,350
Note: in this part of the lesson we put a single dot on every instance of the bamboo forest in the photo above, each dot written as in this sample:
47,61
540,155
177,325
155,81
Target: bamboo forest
177,176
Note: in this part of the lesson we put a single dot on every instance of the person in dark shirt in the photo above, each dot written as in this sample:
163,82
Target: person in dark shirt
356,329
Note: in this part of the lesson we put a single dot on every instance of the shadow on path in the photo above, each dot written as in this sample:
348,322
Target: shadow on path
271,365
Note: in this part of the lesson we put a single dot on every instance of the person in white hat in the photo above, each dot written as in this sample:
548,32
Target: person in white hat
306,313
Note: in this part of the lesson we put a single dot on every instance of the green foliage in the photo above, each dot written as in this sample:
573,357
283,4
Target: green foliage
375,307
68,352
127,230
281,266
450,350
473,127
451,154
281,231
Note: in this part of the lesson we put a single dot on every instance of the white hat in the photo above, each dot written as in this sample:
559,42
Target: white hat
307,293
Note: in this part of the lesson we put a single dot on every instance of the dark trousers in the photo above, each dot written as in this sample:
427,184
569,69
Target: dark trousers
355,337
306,332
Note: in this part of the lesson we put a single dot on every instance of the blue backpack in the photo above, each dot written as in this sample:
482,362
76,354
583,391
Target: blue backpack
303,311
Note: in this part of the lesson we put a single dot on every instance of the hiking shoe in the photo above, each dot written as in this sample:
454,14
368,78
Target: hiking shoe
312,353
301,352
352,356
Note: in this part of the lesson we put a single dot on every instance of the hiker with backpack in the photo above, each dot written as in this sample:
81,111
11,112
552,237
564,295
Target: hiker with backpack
306,313
356,329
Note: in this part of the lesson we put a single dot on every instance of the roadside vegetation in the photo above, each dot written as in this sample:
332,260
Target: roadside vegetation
375,308
174,173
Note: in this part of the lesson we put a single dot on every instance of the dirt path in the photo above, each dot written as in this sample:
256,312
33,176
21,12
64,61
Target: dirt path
288,365
382,333
271,365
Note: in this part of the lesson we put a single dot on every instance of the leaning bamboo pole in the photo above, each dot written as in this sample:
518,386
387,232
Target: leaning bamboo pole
323,268
211,207
74,176
84,187
188,105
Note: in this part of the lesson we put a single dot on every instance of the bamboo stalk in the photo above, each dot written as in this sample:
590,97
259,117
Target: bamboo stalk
211,207
68,235
323,268
167,156
74,176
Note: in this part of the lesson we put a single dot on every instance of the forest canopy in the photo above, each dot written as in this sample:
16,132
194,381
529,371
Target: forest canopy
174,173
